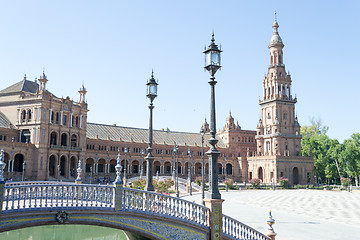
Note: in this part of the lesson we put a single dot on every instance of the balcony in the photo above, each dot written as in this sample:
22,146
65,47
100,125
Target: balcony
69,148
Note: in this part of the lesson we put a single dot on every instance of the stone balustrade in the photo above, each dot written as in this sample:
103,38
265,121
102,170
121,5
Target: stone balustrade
234,229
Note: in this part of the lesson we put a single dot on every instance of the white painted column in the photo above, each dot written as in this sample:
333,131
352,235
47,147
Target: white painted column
51,113
12,165
71,120
61,117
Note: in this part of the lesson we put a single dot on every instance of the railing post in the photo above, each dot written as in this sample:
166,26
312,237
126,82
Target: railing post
215,217
118,196
270,232
2,181
118,186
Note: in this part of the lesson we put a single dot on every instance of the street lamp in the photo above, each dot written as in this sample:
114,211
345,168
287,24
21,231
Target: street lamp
151,94
142,163
347,167
175,151
59,171
23,173
226,185
189,171
91,169
212,64
125,166
202,132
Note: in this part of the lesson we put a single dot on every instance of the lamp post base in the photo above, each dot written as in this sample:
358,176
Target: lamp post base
215,219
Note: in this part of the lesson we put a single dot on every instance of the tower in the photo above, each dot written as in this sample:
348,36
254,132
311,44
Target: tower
278,131
42,80
82,93
278,136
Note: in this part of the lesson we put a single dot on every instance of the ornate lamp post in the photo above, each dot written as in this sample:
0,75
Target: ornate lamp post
91,171
23,172
151,94
212,64
189,172
226,185
175,151
202,132
142,163
125,165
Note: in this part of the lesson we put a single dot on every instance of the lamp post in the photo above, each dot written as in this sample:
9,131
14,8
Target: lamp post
175,150
125,166
226,185
91,169
212,64
202,132
151,94
23,172
189,172
59,171
142,163
347,167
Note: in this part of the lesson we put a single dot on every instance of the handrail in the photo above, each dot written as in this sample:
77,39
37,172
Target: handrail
140,200
52,196
234,229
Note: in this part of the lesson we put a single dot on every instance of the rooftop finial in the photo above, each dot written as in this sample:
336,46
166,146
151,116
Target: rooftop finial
213,36
152,73
25,76
275,16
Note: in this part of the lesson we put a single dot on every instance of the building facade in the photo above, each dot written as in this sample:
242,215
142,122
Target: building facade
44,137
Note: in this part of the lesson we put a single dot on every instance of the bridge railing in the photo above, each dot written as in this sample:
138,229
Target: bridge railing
236,230
151,202
52,196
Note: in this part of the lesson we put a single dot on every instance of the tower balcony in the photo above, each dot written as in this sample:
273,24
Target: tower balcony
276,65
278,97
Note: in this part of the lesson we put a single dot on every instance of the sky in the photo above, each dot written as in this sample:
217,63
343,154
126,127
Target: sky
112,47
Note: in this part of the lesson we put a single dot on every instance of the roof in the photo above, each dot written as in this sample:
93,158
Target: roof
5,122
139,135
22,86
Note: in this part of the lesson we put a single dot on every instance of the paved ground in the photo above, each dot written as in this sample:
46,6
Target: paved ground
299,214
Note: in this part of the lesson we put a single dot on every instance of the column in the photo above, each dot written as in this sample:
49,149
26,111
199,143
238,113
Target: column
51,113
71,119
81,121
61,117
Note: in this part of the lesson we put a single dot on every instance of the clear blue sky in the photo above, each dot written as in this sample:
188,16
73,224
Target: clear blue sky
113,45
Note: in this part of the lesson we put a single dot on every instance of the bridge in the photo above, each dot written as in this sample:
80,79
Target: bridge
142,214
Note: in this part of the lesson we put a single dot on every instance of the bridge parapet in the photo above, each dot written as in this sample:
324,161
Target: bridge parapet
53,196
234,229
138,200
43,199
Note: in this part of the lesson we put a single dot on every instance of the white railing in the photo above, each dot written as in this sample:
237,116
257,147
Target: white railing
24,183
138,200
237,230
52,196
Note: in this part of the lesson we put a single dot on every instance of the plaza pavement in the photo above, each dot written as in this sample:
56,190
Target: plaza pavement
299,214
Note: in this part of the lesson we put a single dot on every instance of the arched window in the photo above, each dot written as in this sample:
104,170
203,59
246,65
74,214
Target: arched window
63,139
52,165
29,115
53,138
73,140
76,121
23,116
25,135
18,162
57,118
